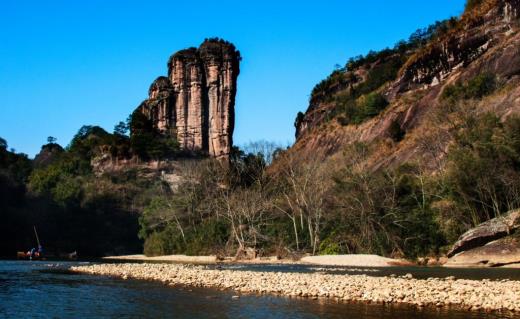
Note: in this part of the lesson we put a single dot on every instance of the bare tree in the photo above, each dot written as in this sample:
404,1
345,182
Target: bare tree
264,148
305,184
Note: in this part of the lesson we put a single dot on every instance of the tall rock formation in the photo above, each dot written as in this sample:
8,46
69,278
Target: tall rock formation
196,102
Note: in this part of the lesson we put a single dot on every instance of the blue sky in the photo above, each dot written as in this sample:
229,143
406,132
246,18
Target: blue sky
69,63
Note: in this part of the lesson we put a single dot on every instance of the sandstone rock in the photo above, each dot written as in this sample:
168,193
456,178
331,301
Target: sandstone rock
443,57
484,41
500,252
486,232
196,102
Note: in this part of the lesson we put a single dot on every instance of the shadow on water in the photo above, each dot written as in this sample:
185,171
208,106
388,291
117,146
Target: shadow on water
48,290
419,272
416,271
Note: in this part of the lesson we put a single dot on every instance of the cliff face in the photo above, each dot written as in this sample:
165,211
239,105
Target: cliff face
196,102
480,30
485,39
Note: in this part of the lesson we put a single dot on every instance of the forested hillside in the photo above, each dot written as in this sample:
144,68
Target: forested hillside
399,152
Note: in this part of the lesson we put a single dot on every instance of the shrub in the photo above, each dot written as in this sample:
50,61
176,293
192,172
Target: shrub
471,4
373,103
155,245
383,212
476,88
329,247
396,132
483,169
368,106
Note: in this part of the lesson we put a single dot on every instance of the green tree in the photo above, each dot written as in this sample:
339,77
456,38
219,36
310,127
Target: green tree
121,128
483,171
3,144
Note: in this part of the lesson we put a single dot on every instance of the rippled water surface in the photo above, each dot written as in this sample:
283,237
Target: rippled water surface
45,290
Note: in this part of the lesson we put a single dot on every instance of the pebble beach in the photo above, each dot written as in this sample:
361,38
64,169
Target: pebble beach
472,295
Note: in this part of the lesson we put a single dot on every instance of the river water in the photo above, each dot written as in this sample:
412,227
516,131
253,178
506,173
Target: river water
47,290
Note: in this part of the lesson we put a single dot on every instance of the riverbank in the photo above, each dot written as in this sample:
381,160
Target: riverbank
169,258
325,260
467,294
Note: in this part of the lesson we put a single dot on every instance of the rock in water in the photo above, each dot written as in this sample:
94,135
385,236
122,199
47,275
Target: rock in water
196,102
486,232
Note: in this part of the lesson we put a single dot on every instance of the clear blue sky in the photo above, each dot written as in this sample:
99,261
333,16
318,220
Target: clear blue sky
69,63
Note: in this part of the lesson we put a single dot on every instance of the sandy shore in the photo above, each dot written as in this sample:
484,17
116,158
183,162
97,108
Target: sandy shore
467,294
354,261
326,260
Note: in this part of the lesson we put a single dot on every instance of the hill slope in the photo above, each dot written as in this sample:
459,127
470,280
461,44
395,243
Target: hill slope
411,78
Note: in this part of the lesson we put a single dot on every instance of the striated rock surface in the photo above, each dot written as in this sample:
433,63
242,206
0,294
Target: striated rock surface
479,32
196,102
486,39
486,232
501,252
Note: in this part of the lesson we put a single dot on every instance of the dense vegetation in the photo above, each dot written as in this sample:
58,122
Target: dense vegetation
73,208
268,200
347,89
476,88
344,206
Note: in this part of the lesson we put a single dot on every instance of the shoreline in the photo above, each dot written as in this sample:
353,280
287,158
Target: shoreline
487,295
354,260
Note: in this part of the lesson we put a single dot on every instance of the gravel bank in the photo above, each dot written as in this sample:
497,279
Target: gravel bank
468,294
353,261
169,258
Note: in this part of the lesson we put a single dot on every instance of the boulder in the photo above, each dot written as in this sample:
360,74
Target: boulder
486,232
501,252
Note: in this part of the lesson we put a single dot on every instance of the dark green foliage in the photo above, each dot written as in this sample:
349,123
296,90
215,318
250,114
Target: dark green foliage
382,212
393,58
183,221
338,79
245,169
16,166
368,106
416,40
146,142
297,122
202,239
476,88
86,145
483,171
73,209
121,129
3,144
372,105
343,87
396,132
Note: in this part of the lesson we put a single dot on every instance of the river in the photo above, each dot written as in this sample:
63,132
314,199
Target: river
47,290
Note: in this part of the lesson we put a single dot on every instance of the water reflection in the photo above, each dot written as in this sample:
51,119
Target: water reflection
29,289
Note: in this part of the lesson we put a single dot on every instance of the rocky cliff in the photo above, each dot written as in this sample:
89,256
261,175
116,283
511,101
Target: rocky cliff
196,102
412,77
